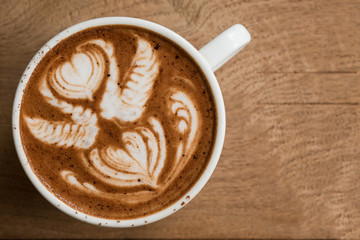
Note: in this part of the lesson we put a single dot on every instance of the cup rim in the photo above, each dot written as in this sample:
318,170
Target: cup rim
220,132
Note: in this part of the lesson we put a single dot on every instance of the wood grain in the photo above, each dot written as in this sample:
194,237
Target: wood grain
290,166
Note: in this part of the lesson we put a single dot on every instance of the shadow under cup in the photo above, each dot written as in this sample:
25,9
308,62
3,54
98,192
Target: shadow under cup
220,121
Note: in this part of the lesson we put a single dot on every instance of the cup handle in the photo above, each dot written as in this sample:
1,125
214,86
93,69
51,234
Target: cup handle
219,50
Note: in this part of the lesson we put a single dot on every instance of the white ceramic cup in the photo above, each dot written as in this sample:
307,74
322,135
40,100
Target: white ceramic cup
212,56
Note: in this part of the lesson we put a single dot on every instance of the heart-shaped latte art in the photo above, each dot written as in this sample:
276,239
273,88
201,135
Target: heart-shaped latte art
80,77
140,162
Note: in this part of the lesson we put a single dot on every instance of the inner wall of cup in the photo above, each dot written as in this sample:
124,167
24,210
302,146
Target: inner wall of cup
165,33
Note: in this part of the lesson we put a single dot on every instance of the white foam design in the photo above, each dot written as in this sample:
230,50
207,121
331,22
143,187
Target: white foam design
62,133
188,125
80,77
135,197
183,107
128,102
159,164
140,163
71,178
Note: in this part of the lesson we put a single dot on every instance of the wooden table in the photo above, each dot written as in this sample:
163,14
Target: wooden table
290,167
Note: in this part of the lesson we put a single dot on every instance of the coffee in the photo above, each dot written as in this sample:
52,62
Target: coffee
118,122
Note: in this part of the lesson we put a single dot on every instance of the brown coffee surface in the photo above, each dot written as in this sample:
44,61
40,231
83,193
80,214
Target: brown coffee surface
127,134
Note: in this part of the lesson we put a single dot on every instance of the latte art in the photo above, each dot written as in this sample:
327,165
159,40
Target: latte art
80,77
139,163
130,127
127,103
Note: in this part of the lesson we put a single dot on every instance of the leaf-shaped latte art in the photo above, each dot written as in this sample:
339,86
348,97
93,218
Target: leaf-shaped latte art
140,163
128,103
182,106
80,77
188,120
62,133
